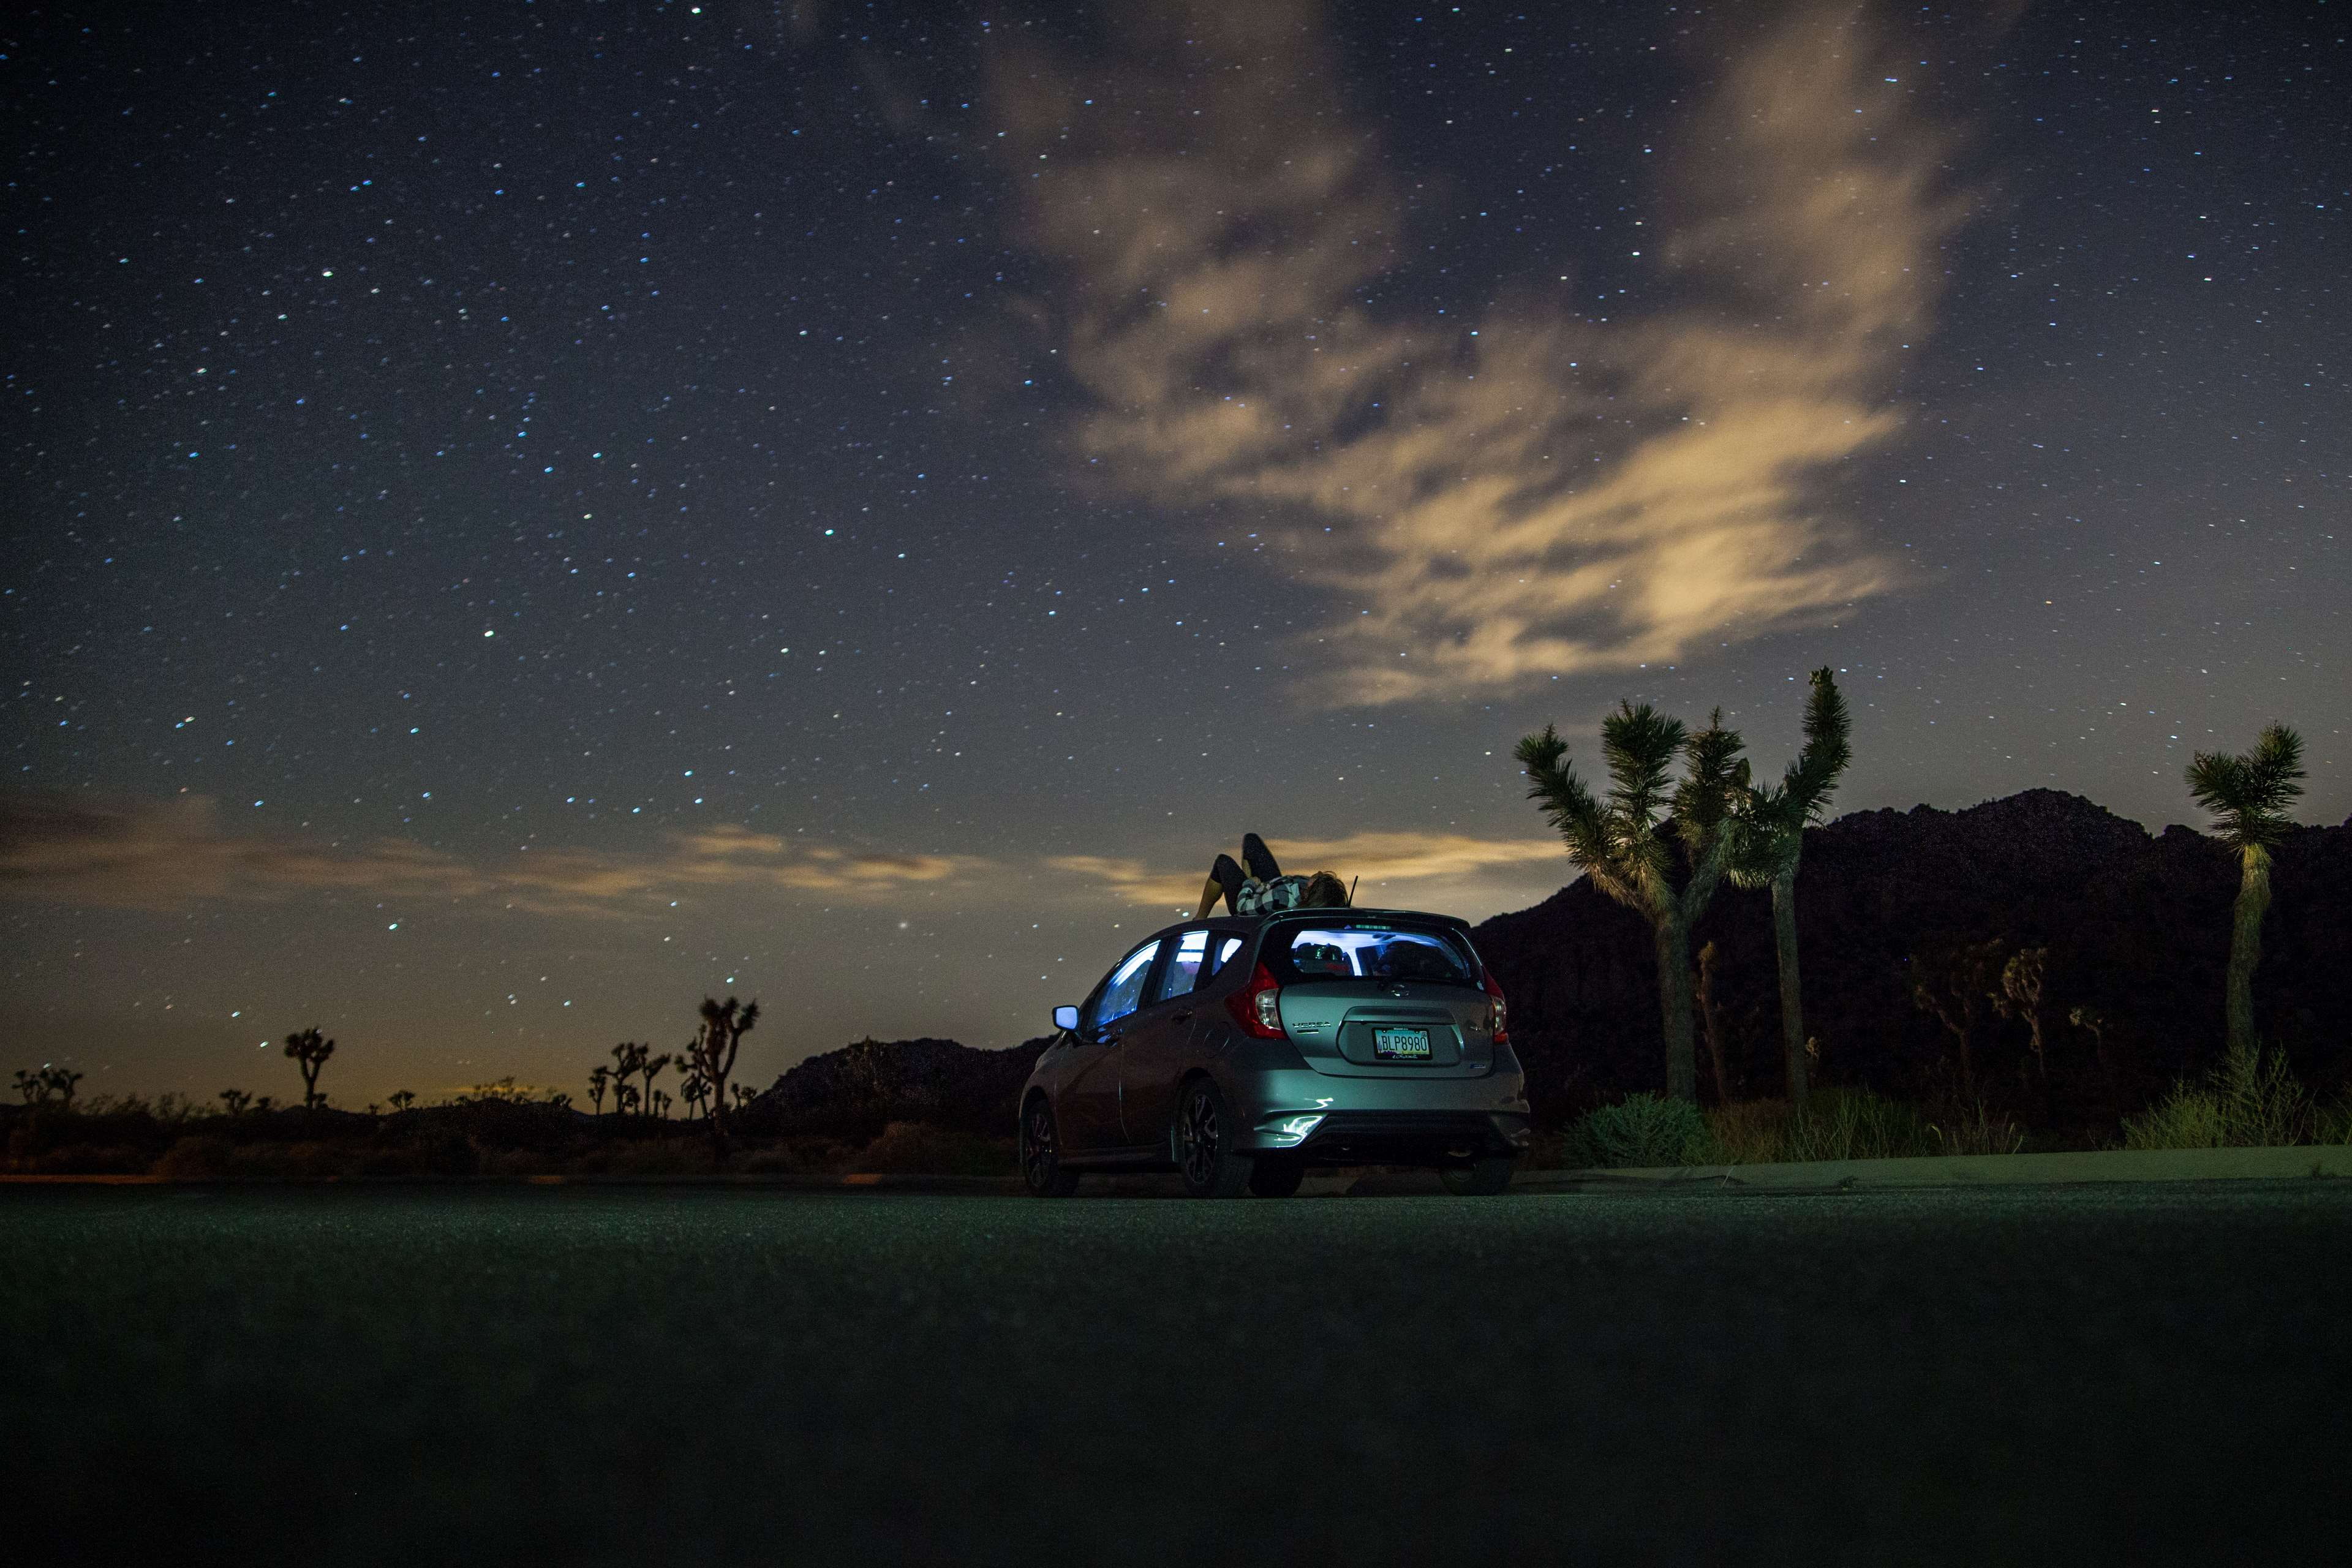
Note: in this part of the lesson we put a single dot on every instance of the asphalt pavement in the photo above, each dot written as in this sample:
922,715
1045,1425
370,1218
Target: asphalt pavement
2015,1373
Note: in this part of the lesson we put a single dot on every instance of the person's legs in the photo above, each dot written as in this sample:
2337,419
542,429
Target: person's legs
1258,858
1225,880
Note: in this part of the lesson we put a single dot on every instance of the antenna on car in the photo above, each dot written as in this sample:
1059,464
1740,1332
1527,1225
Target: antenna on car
1351,890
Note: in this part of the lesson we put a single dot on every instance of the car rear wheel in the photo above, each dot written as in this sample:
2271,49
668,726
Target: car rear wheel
1275,1176
1481,1178
1041,1154
1204,1144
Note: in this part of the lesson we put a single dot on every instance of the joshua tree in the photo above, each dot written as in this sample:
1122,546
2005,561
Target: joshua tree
58,1083
650,1070
310,1050
600,1078
661,1103
2249,797
2096,1024
744,1094
625,1097
1618,839
628,1060
1710,1017
1954,983
724,1025
32,1085
233,1101
401,1099
1769,836
695,1091
2019,996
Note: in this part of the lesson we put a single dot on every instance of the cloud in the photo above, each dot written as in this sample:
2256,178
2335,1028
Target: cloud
1401,871
1533,493
170,854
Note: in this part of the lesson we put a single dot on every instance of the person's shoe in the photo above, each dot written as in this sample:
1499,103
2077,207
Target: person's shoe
1258,858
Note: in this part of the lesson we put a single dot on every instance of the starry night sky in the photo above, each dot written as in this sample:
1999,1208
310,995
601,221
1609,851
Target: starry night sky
523,516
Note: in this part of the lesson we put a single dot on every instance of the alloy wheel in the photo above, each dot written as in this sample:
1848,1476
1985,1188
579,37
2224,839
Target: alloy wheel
1041,1155
1202,1138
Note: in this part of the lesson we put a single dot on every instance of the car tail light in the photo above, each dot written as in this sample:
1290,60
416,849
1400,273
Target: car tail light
1257,1006
1502,1011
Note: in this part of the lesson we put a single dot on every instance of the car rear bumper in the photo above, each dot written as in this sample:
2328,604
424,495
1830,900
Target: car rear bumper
1370,1122
1412,1138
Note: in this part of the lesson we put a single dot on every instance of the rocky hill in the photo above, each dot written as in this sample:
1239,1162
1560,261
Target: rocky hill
860,1089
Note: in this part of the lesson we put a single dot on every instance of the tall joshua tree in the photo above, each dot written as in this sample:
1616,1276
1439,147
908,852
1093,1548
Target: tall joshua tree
628,1060
310,1050
712,1055
1620,840
650,1068
2249,797
1769,836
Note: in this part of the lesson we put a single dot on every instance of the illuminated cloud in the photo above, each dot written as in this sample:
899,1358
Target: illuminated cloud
167,856
1532,493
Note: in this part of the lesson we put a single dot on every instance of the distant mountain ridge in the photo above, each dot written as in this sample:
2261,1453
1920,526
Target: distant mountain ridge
2136,925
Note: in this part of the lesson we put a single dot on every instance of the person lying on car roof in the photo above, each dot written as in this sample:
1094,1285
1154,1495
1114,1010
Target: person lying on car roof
1263,890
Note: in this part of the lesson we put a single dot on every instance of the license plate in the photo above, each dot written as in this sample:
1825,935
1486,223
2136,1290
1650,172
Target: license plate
1401,1044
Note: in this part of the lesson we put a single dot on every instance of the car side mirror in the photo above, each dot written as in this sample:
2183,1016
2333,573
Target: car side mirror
1065,1017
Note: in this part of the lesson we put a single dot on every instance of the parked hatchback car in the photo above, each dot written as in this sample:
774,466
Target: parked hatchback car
1243,1052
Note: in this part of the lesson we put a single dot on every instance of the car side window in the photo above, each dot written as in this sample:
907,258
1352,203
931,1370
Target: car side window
1124,990
1226,949
1183,971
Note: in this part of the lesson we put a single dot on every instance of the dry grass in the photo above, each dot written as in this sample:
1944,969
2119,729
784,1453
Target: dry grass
1836,1124
2250,1100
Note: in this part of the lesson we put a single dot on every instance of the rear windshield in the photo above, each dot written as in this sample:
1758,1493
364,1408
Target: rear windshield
1346,950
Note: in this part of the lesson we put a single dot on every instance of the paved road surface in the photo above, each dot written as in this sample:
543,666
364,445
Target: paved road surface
692,1376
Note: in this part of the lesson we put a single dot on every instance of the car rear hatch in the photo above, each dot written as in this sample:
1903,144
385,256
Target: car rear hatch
1371,994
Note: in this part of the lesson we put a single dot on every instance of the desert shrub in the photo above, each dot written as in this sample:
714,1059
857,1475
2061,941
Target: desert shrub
1972,1129
797,1156
1640,1129
496,1162
93,1160
1753,1132
2187,1118
197,1158
2332,1124
1855,1125
648,1157
2249,1100
924,1149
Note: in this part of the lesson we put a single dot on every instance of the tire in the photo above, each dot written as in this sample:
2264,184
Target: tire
1273,1176
1042,1170
1481,1178
1204,1144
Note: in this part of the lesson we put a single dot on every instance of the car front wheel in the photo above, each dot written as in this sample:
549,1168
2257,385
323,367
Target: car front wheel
1041,1154
1204,1145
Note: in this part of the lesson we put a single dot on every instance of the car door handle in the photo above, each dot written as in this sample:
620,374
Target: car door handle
1181,1014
